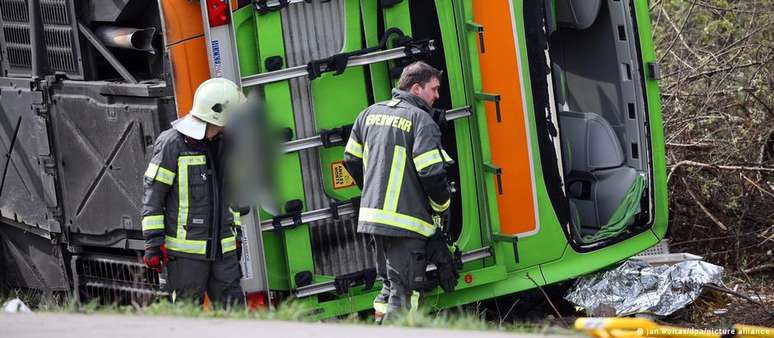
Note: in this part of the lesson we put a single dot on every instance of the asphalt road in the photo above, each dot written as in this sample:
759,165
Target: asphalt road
45,325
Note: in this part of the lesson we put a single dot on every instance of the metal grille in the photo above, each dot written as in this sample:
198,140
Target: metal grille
62,47
339,249
662,248
16,33
14,10
58,33
114,280
314,31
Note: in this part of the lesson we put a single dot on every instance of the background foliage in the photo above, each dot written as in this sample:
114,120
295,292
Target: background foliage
716,66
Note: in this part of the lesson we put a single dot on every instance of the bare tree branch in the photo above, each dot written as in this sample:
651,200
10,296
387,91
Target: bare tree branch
715,166
703,208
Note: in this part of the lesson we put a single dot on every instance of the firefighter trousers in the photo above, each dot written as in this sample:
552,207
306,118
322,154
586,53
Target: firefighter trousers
380,303
190,278
403,260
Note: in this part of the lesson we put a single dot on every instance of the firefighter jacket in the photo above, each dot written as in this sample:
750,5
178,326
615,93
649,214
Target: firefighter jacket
394,154
183,204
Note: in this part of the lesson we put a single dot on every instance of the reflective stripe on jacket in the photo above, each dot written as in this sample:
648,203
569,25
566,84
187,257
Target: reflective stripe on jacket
394,153
182,196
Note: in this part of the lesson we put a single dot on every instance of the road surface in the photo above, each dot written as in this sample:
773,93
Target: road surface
56,325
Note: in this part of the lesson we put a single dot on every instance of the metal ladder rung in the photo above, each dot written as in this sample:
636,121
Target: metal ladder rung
315,289
301,144
310,216
458,113
316,141
275,4
359,60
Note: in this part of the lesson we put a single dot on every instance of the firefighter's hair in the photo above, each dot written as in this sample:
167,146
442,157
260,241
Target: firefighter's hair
418,73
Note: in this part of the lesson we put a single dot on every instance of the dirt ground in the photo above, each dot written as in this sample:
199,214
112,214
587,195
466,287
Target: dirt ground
713,310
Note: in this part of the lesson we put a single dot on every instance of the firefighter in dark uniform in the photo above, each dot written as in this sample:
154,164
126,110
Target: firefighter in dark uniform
394,154
186,222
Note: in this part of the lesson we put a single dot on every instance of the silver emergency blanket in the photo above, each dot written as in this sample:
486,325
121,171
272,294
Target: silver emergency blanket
638,287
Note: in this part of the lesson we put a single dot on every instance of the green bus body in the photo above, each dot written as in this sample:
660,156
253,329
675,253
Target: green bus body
515,264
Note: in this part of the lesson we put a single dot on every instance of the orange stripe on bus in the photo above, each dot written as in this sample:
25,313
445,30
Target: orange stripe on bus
187,50
508,138
190,68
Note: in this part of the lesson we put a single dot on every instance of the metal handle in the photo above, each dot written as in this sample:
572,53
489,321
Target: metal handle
472,26
494,98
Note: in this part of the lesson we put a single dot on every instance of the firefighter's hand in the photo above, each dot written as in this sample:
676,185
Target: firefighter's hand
155,257
238,240
448,276
438,254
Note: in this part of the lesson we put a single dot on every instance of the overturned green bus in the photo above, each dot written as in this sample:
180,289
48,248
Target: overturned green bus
550,109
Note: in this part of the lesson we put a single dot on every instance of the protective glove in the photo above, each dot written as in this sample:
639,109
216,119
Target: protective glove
448,277
438,253
439,116
155,256
238,240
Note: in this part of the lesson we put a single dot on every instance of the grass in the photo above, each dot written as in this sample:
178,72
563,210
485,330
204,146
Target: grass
456,319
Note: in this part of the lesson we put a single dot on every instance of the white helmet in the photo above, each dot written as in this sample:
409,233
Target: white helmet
213,101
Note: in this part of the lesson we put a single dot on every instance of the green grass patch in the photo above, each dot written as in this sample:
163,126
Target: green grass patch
286,312
455,319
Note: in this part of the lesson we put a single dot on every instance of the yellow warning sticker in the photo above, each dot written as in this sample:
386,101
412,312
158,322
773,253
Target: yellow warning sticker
341,177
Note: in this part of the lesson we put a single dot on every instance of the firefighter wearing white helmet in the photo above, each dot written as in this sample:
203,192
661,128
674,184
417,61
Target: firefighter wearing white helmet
188,225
